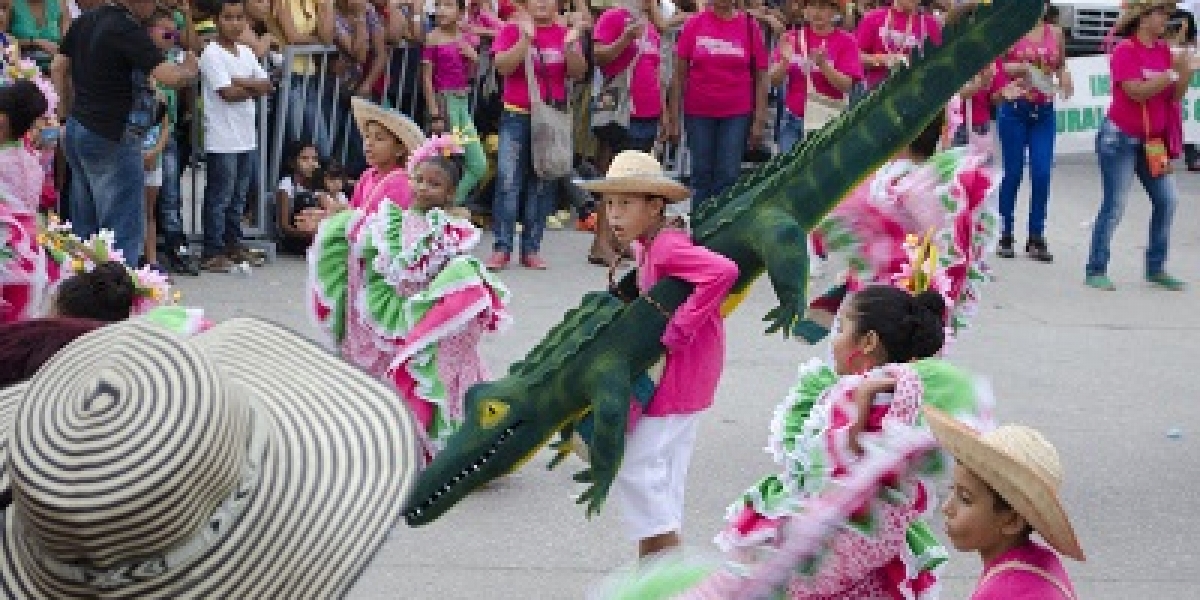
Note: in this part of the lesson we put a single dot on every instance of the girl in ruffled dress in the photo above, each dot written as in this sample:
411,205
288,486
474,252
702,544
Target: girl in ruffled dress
400,294
25,271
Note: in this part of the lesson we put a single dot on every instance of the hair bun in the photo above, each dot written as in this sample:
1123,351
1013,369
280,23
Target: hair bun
932,302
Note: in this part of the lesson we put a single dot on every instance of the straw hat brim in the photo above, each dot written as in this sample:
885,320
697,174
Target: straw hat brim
664,187
341,453
1027,492
404,128
1138,10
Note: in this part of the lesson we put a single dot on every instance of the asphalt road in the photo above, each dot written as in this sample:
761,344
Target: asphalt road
1106,376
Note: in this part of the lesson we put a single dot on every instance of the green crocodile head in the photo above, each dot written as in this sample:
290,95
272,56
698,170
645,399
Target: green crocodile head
500,432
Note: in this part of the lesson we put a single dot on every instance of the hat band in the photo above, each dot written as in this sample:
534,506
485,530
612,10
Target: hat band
142,569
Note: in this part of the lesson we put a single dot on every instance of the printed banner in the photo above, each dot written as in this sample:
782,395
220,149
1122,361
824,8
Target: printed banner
1079,117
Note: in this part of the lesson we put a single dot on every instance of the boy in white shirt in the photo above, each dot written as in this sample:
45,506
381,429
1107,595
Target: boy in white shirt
231,80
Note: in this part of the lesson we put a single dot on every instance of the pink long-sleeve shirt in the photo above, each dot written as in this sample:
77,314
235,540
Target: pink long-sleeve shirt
1017,584
695,335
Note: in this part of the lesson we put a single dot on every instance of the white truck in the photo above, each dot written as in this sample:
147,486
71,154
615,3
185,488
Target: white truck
1086,23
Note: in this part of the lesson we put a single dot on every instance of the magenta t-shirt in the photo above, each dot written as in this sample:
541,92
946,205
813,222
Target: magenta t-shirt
550,73
1133,61
719,51
1015,584
842,50
451,70
645,88
1045,54
890,31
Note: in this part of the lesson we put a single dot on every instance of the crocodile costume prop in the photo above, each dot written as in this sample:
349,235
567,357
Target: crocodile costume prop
590,361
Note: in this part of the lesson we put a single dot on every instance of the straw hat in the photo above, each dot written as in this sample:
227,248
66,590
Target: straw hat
633,172
404,128
1021,466
245,462
1136,9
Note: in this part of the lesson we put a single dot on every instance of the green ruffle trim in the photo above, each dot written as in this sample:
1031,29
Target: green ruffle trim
330,271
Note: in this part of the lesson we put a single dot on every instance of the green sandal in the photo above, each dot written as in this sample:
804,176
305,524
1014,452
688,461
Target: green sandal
1167,282
1100,282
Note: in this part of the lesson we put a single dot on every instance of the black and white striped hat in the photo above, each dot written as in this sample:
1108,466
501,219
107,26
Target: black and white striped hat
245,462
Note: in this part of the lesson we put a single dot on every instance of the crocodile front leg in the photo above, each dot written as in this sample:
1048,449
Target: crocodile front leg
781,242
610,409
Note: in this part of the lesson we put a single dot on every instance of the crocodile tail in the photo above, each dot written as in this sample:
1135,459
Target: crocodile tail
814,177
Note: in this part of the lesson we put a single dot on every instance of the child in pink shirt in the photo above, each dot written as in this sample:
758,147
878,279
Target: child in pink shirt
649,487
887,35
388,138
1005,489
448,60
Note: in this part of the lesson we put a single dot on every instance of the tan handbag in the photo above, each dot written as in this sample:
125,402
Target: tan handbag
550,135
819,109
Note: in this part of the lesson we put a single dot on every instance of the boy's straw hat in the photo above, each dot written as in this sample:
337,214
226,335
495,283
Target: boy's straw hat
633,172
1021,466
404,128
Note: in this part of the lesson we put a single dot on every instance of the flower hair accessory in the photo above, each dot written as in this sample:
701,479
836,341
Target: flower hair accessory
13,69
446,145
76,256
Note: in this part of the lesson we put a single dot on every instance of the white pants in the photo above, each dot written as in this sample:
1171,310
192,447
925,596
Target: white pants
649,488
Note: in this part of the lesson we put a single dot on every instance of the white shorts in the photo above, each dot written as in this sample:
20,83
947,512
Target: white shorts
155,178
648,490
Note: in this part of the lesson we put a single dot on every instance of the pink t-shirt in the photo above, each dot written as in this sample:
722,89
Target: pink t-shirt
695,336
1015,584
1046,54
451,70
890,31
839,46
550,72
1133,61
718,52
645,88
372,188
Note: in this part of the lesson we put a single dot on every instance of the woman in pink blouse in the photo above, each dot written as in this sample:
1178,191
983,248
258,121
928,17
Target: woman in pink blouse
557,56
888,35
720,85
818,50
1147,86
1028,77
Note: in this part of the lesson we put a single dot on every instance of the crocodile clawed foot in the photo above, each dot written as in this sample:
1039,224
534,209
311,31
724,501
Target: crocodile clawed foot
596,493
785,319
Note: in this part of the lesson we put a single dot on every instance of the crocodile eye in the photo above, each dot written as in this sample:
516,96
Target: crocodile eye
491,412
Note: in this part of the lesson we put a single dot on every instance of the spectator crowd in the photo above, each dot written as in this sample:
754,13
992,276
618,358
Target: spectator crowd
258,94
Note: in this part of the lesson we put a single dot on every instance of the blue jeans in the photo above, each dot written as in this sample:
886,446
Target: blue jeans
716,145
170,199
791,131
519,189
1023,124
1121,157
225,194
640,135
107,183
304,122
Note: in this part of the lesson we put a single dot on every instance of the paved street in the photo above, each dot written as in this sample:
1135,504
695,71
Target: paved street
1105,375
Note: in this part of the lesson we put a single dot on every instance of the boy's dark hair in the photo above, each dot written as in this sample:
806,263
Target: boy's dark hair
24,103
160,14
333,170
220,5
26,345
105,293
909,327
210,8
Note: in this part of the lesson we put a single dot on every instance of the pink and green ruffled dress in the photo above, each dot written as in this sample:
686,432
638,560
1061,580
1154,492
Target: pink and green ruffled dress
401,296
26,270
887,551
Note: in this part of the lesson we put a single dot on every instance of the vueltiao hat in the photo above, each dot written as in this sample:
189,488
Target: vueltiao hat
404,128
1018,464
634,172
1136,9
243,462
